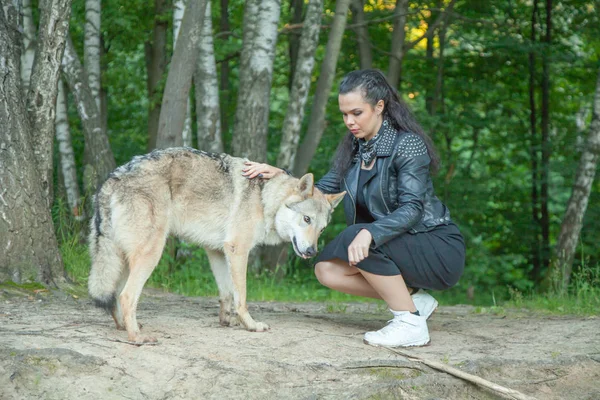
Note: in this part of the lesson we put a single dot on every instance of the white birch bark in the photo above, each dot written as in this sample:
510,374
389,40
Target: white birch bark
208,112
97,148
43,89
91,48
570,228
305,63
28,245
316,125
256,74
28,50
67,156
178,11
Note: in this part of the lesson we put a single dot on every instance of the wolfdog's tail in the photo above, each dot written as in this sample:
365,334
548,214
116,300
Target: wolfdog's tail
107,259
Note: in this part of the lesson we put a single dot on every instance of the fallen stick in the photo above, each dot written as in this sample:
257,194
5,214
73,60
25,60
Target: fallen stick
511,393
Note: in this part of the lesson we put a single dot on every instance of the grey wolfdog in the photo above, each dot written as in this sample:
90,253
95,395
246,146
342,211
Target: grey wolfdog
202,198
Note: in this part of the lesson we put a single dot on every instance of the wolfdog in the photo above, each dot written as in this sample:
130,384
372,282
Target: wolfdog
202,198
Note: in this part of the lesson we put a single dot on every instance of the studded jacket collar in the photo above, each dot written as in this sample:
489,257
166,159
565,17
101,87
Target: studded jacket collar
400,196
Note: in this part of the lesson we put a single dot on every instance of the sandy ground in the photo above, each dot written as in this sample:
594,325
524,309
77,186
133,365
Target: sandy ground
58,346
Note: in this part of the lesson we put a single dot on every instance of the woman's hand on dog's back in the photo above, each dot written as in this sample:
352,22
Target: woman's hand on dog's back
261,170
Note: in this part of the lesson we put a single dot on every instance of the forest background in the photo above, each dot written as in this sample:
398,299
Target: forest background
509,91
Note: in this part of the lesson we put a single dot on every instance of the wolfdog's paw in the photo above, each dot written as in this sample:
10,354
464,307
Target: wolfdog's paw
141,340
258,327
230,322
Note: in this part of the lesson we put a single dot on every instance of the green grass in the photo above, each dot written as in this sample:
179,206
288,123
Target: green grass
191,276
582,296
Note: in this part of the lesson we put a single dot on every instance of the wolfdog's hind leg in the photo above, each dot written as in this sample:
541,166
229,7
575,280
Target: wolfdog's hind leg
220,269
141,265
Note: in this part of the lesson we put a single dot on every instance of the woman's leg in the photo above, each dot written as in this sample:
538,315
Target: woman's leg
338,275
392,289
405,329
341,276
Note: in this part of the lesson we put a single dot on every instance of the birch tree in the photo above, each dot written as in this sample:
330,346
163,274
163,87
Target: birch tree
316,124
91,48
67,156
578,202
28,50
305,63
28,246
178,10
208,111
179,80
41,97
99,156
256,73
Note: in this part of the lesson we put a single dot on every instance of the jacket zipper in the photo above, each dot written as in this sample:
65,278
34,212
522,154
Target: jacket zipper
381,193
352,199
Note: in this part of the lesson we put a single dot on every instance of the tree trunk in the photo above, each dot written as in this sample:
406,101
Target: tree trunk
156,64
256,73
316,124
67,156
536,254
28,53
45,73
362,34
430,63
296,8
225,94
438,96
397,53
546,150
179,80
208,112
91,48
577,205
178,11
97,148
28,246
294,116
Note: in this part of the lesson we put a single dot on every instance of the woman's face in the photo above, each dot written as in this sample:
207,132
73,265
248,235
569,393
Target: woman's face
361,118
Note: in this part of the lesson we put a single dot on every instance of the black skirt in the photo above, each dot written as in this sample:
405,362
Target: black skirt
428,260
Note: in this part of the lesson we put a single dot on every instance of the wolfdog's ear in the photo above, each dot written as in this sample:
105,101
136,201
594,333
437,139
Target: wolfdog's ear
306,185
334,199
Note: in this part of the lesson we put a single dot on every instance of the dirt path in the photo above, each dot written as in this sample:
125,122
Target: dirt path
56,346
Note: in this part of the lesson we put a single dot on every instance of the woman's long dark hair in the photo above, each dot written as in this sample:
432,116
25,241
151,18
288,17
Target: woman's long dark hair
373,86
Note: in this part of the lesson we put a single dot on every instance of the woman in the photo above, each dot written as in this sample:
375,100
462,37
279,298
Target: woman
400,237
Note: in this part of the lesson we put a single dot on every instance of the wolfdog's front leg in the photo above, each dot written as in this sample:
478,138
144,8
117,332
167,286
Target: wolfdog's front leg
237,257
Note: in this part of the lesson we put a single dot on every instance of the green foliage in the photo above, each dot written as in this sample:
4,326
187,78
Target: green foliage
583,296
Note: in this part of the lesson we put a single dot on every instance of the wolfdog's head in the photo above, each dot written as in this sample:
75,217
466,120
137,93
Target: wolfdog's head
304,215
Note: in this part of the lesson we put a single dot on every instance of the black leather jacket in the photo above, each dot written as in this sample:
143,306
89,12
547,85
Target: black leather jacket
400,196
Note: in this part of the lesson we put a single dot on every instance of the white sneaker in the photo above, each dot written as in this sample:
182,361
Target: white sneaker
425,303
404,330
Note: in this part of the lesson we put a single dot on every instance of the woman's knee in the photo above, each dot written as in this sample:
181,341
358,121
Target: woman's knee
326,273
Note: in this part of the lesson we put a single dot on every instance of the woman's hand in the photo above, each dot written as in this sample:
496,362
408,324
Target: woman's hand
264,171
359,248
